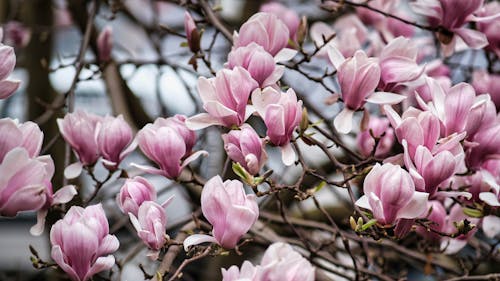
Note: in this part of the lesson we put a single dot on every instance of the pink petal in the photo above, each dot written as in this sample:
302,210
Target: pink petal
64,195
343,121
287,154
416,207
473,38
196,239
73,170
201,121
8,87
285,54
385,98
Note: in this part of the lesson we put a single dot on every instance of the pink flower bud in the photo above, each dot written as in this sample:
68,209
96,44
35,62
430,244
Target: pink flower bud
192,34
223,204
287,16
78,129
7,64
81,242
264,29
166,142
390,194
282,262
24,182
245,147
27,135
380,128
225,98
114,140
133,193
259,63
151,223
105,44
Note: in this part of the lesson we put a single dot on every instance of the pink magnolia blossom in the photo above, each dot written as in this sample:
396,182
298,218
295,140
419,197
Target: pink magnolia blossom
398,64
223,204
248,272
24,181
279,263
286,15
388,27
281,113
7,64
168,144
16,34
268,31
487,145
429,170
114,140
282,262
151,224
133,193
105,44
192,34
259,63
350,35
81,243
490,27
380,128
358,78
453,245
390,194
79,129
437,221
14,134
451,16
245,147
486,83
225,98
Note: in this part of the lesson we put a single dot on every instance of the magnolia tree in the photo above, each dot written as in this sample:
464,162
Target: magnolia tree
334,140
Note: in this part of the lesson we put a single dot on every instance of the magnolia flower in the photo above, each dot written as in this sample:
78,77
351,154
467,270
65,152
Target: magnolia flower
282,262
151,224
437,221
490,26
279,263
224,98
387,26
79,129
358,77
268,31
16,34
245,147
450,16
228,209
398,64
7,64
168,144
105,44
114,140
427,170
288,16
281,113
23,182
350,35
133,193
486,83
390,195
259,63
81,243
14,134
379,128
